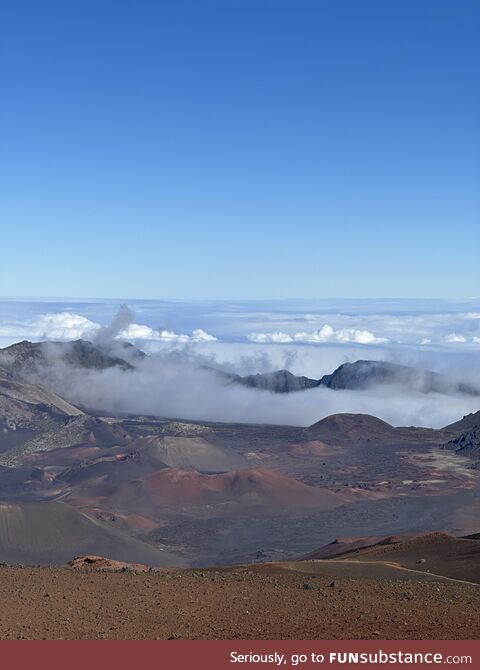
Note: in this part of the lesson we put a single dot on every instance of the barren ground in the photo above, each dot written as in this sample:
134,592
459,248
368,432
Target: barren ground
265,601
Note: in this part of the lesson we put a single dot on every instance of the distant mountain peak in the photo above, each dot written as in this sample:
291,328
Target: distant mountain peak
24,358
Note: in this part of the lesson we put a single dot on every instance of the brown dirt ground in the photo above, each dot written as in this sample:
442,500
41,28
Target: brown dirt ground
255,602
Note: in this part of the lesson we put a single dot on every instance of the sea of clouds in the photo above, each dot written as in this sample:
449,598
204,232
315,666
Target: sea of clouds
187,341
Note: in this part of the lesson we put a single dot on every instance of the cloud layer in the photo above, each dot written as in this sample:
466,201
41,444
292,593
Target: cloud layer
71,326
178,379
324,334
180,387
408,323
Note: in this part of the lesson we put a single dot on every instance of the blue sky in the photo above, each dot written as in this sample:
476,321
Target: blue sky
241,149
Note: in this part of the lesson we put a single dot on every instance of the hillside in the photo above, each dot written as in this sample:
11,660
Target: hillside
437,553
250,487
52,532
25,359
365,374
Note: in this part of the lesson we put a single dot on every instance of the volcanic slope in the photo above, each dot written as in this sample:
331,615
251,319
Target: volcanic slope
27,410
24,359
188,453
437,553
249,487
30,397
143,500
467,436
366,428
81,429
53,533
468,422
364,374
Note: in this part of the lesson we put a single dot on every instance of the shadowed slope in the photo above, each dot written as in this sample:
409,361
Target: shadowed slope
53,533
437,553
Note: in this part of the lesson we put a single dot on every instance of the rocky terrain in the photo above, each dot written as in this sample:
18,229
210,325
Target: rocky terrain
308,600
467,436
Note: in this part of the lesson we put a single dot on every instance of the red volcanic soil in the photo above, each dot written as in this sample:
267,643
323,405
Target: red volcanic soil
249,486
267,602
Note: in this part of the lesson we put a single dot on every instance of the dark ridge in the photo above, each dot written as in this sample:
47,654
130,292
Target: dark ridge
365,374
26,357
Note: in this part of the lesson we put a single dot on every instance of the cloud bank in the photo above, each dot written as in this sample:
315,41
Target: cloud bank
178,378
176,388
324,334
71,326
407,323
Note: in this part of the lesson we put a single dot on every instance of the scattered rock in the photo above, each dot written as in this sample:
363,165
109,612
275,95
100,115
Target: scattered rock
106,564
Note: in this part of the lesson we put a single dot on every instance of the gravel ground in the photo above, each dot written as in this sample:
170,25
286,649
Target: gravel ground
253,602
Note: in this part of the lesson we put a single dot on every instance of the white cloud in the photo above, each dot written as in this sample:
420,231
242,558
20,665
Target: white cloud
278,337
200,335
144,332
58,326
409,323
65,325
136,331
400,322
71,326
453,337
324,334
170,336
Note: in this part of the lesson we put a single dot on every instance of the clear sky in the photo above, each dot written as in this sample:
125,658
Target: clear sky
240,148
